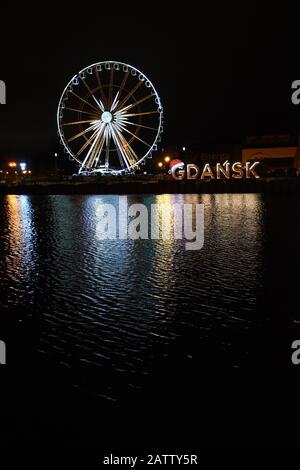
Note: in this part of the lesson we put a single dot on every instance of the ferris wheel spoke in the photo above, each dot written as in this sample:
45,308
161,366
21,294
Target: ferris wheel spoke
136,103
95,155
110,88
141,114
88,161
115,102
121,151
134,89
122,158
127,148
78,122
84,101
125,143
101,89
91,153
123,83
137,137
124,121
120,155
89,129
87,143
99,103
100,147
121,126
83,112
94,151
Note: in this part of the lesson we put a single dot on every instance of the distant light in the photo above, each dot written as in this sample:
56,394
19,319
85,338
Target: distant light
23,166
183,149
167,159
29,172
160,164
12,164
55,154
24,172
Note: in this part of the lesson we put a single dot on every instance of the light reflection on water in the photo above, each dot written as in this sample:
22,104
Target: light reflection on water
18,258
113,303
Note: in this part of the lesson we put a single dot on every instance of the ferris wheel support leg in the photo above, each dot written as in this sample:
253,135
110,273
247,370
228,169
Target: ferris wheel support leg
80,170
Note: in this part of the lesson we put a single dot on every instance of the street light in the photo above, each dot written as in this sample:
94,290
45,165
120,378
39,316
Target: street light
167,159
160,164
55,163
12,164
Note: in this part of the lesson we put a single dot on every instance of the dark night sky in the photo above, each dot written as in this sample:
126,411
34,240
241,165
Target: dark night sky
223,72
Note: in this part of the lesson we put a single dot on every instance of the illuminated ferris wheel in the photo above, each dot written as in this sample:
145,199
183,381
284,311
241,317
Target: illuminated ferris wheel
109,118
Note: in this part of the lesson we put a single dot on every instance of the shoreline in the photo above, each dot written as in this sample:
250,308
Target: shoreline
138,185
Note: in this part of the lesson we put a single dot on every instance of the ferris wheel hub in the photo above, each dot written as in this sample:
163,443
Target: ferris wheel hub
106,117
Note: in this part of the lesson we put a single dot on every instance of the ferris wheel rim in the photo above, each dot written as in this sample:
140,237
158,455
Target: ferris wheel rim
159,111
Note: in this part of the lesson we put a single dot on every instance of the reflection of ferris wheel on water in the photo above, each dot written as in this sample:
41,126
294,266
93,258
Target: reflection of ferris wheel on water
109,118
